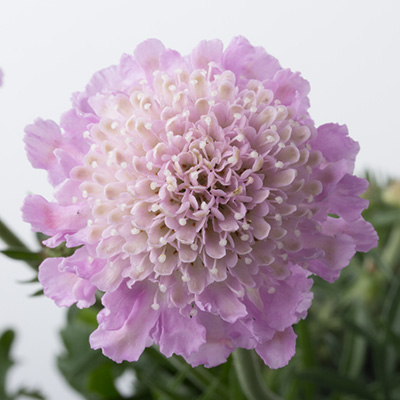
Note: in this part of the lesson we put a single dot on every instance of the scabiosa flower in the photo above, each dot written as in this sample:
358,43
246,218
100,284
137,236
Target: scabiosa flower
203,198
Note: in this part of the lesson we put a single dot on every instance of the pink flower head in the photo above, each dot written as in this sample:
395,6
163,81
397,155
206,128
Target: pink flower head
201,193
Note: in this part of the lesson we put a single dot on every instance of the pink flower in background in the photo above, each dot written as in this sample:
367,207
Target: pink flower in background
203,197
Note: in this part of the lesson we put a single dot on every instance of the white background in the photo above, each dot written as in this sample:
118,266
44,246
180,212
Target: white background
347,49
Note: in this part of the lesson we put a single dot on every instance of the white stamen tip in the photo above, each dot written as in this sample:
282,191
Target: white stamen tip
214,271
182,221
238,216
284,257
135,231
155,306
93,164
270,139
271,290
193,312
186,113
279,245
202,144
84,194
176,97
309,169
86,134
279,199
237,115
223,242
174,158
253,154
153,185
114,125
204,206
167,172
194,246
244,237
211,103
149,165
147,106
148,125
207,120
163,240
273,127
311,198
194,81
124,165
162,258
240,293
246,100
90,222
114,232
74,200
170,134
278,217
214,92
123,207
155,207
185,278
245,226
171,88
279,164
253,109
247,260
163,288
297,232
90,259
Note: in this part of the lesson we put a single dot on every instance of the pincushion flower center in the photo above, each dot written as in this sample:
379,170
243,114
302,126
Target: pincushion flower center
195,164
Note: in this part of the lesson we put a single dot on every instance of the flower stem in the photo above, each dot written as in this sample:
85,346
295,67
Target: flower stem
250,378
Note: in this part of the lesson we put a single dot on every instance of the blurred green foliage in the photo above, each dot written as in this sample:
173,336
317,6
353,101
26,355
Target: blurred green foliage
348,348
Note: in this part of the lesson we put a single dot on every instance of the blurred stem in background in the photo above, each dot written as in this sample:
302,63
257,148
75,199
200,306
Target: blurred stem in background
348,348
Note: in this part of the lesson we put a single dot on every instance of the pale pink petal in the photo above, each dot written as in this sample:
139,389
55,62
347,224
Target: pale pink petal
65,288
277,352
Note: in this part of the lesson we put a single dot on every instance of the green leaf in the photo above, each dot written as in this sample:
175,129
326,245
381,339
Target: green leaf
34,394
37,293
86,370
6,362
329,379
22,254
